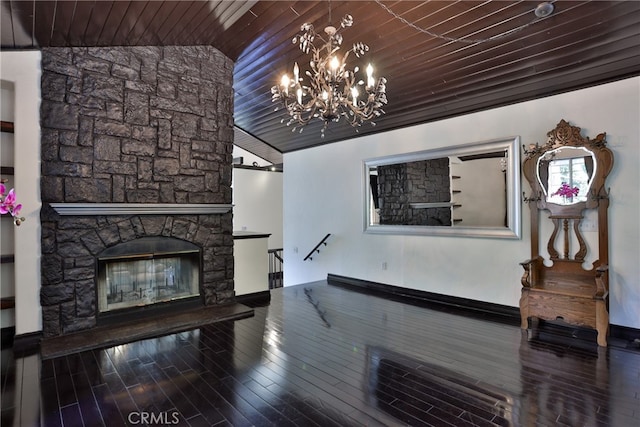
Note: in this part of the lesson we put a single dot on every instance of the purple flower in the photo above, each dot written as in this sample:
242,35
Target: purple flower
566,191
9,205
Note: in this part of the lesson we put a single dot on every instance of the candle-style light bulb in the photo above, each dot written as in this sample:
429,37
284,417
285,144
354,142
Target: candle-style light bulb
334,63
285,83
369,76
299,95
296,72
354,95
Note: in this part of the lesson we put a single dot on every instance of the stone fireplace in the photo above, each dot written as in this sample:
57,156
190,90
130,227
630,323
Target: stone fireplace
136,181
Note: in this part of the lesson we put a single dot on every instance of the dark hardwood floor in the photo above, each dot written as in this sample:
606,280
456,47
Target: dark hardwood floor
321,355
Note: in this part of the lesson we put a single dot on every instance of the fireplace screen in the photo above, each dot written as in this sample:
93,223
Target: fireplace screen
128,280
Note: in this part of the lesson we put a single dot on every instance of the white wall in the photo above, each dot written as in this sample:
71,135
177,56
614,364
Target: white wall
257,203
22,69
323,194
251,266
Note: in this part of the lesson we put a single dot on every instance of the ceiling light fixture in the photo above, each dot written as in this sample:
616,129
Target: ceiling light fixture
333,91
544,9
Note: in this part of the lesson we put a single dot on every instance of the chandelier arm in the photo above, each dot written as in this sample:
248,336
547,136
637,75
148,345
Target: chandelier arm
300,109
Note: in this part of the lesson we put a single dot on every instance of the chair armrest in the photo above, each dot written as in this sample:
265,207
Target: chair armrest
530,271
602,282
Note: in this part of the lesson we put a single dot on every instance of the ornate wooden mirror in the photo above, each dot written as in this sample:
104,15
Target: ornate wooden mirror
567,176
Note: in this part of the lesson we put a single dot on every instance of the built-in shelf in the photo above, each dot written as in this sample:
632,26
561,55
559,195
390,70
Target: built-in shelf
7,303
7,170
7,259
6,127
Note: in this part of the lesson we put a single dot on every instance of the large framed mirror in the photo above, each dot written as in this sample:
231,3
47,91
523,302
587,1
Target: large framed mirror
467,190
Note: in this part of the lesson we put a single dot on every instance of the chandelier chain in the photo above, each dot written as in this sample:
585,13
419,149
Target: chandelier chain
456,39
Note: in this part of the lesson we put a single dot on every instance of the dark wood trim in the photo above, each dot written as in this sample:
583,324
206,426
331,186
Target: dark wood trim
6,336
6,127
256,298
28,343
625,333
620,336
412,296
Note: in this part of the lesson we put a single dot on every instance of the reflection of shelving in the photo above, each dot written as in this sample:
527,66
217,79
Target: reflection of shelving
425,205
455,182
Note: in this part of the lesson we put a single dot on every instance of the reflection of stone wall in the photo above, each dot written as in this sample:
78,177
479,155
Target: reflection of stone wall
426,181
392,185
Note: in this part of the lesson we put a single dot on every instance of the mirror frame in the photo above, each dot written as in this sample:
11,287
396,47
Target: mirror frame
511,145
565,135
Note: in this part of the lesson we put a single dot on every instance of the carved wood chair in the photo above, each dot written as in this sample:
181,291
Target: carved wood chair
567,176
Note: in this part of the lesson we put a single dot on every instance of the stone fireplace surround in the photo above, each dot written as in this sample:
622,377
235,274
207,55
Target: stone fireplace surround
136,142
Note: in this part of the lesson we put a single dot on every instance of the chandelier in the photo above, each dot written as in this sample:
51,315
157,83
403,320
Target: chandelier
332,91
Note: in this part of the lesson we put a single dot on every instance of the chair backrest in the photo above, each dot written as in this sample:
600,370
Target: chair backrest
567,176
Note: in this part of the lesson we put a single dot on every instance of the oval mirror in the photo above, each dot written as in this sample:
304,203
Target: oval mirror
565,174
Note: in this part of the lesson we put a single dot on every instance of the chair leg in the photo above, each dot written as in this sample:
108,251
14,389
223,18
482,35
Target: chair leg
524,309
534,329
602,322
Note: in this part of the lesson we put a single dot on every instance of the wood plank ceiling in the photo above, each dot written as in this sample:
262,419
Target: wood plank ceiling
582,43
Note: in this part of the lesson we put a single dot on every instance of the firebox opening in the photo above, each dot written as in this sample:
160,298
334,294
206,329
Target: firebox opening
150,271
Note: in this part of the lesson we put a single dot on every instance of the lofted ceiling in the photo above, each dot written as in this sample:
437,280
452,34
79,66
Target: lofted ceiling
430,75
